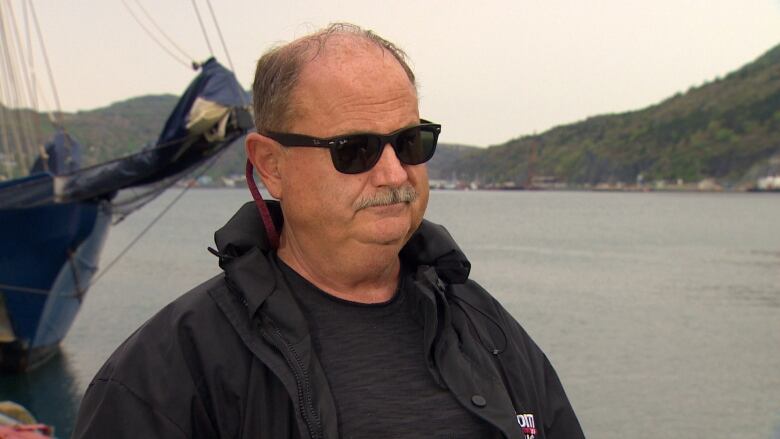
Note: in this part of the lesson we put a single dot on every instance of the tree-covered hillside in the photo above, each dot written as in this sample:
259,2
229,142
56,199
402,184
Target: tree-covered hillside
721,130
728,129
106,133
121,128
127,126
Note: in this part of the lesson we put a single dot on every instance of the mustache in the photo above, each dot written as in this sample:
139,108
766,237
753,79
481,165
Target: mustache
403,194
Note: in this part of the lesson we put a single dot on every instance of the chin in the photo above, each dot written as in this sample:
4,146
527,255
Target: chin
390,231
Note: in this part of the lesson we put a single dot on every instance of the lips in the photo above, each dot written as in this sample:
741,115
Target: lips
388,208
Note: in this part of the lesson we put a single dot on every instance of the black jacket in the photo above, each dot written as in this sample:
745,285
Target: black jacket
233,357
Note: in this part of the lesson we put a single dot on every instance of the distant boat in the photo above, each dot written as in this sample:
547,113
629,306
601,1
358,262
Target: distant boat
54,221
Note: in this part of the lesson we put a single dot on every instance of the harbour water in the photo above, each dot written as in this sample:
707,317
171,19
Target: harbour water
660,311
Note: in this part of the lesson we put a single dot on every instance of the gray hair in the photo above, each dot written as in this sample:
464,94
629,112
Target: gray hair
403,194
278,71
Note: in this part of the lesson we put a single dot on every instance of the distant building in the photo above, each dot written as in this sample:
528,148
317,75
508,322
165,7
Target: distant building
709,184
546,182
768,183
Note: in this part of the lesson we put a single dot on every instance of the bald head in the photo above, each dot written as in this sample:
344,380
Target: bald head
279,70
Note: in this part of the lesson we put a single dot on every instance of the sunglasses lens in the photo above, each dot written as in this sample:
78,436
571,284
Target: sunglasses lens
359,153
416,145
355,154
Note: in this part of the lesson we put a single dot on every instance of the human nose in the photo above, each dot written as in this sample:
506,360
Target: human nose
388,171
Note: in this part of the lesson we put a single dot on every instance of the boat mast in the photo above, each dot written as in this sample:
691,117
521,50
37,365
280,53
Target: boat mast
18,127
21,124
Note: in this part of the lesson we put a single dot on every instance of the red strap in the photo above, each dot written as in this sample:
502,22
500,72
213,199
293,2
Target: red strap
270,229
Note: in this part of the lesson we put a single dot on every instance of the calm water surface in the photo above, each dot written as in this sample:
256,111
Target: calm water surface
661,312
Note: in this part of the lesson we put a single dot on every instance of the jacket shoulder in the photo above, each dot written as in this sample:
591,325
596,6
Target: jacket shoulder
185,321
166,368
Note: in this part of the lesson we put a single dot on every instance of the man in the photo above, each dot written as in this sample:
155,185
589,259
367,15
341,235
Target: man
363,322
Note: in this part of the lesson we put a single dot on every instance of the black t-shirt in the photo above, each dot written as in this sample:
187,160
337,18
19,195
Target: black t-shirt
373,357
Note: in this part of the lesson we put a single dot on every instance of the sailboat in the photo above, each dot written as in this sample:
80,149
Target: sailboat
55,220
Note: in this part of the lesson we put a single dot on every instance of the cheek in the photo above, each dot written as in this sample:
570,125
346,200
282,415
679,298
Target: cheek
305,172
418,177
422,204
318,192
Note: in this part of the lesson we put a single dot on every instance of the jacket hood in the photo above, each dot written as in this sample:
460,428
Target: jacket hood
431,244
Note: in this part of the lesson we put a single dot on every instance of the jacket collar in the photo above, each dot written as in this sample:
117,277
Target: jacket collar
245,255
243,250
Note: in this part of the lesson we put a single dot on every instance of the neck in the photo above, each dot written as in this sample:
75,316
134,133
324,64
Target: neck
363,275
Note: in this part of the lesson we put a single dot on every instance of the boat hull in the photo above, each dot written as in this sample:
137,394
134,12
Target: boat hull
50,254
53,222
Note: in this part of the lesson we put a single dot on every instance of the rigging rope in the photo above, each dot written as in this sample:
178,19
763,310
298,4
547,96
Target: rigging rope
29,133
154,220
20,53
34,85
160,30
11,94
56,118
137,238
7,154
151,35
202,27
219,32
30,58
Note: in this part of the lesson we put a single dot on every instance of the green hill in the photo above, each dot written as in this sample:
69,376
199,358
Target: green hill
232,162
121,128
127,126
720,130
728,129
110,132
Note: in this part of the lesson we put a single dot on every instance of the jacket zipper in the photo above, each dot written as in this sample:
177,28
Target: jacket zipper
305,400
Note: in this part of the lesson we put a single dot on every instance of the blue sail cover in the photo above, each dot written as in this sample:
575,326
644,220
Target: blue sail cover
64,155
55,221
215,84
212,113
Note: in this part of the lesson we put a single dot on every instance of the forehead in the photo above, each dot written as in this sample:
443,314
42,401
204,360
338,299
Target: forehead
351,84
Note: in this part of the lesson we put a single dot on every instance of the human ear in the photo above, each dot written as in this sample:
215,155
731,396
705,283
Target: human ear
266,156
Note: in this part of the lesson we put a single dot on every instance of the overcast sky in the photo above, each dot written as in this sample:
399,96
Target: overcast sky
488,70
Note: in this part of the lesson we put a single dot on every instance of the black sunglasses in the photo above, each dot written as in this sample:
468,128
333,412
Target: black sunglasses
356,153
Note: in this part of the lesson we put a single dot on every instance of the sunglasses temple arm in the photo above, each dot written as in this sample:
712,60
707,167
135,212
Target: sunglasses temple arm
268,223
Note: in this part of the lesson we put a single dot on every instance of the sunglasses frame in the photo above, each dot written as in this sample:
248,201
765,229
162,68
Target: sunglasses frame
332,143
